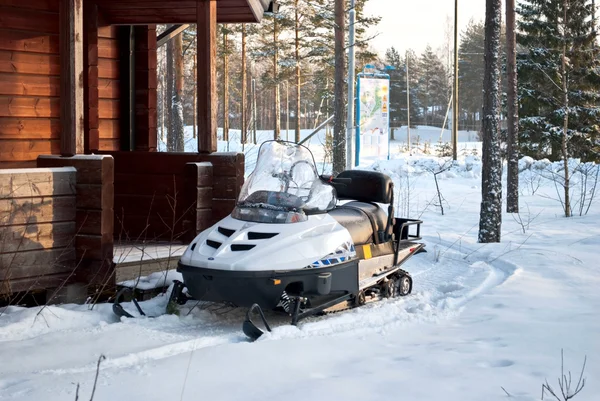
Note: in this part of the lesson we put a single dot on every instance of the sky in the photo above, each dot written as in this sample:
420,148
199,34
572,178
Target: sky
415,23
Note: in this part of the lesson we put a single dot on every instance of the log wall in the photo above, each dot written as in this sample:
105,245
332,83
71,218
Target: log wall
94,215
37,228
149,186
29,81
108,88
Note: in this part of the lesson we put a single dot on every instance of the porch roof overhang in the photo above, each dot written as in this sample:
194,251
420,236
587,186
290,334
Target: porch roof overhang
147,12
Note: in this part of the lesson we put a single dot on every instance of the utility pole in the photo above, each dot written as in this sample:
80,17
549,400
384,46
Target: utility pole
455,92
407,104
351,132
254,108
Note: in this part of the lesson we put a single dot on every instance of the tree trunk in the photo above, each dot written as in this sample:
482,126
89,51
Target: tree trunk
225,85
195,99
512,197
564,151
490,220
339,129
177,111
298,76
169,94
244,86
276,100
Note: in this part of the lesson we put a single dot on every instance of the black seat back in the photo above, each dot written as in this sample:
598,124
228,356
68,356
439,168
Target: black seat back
366,186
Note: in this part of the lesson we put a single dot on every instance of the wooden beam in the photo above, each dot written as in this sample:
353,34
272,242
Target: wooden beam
90,59
170,34
207,75
71,75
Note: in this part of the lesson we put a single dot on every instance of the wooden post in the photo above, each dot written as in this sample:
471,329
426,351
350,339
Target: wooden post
207,75
71,77
90,74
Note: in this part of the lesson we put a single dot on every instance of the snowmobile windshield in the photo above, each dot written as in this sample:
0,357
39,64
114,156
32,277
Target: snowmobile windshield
284,186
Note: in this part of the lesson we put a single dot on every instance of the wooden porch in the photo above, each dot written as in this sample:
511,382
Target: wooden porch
78,90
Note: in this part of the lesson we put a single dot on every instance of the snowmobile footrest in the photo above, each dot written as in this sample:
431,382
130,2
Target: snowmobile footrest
177,295
321,308
250,328
118,309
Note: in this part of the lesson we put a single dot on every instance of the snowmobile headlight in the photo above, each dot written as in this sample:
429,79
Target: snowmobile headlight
269,216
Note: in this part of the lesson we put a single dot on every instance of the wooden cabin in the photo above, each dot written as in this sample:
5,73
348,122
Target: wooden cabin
79,167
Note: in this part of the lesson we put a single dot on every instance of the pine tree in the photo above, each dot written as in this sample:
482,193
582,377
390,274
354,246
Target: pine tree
546,29
433,85
490,220
398,98
471,72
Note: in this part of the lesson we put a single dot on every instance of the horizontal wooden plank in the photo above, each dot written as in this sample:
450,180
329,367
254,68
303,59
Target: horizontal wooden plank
221,208
108,108
108,31
91,169
108,68
32,211
200,174
109,129
150,163
111,6
143,205
29,85
37,236
36,263
29,107
148,228
141,184
34,283
37,182
40,5
28,42
29,128
95,222
23,150
17,165
93,247
110,144
95,196
226,187
204,197
29,63
28,20
108,48
108,89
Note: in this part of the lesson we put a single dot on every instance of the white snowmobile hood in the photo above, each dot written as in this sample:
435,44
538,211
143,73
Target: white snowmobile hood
238,245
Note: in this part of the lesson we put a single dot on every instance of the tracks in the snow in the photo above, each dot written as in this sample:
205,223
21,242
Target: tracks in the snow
441,288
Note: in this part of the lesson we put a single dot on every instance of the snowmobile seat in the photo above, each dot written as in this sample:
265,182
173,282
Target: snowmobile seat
366,186
364,221
362,217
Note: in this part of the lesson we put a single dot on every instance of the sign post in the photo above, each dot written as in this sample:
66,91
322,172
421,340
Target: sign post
373,115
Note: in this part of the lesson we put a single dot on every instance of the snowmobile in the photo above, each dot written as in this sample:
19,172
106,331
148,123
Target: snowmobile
301,243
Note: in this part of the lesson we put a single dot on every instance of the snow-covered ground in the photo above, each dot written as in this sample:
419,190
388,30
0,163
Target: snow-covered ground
481,318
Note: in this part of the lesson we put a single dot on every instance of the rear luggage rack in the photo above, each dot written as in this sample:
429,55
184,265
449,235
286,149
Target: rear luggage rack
401,229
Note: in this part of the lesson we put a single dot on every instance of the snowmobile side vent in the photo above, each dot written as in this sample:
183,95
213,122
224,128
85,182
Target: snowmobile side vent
241,247
213,244
226,231
254,235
